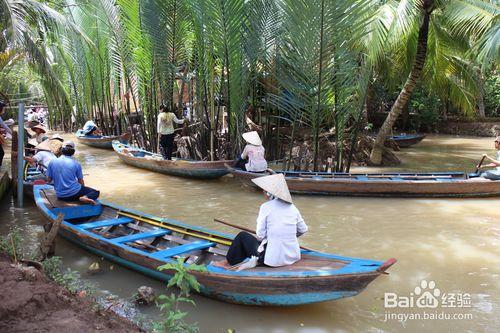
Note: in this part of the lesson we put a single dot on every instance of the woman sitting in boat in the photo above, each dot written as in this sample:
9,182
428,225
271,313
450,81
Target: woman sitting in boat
495,163
46,151
278,225
67,176
91,129
166,133
252,158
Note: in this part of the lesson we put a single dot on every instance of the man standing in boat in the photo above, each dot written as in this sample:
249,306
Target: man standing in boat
495,163
166,133
66,174
279,225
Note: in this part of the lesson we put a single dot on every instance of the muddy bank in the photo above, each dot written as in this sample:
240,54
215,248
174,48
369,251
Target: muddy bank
30,302
469,128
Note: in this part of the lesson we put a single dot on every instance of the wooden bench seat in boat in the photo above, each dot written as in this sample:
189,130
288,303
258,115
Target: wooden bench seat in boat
105,223
177,250
140,236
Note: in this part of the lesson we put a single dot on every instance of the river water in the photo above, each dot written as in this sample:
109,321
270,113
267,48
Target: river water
453,242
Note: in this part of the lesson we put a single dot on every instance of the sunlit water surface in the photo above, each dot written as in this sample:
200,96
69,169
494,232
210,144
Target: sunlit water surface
454,242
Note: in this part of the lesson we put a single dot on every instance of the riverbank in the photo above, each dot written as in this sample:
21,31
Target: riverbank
30,302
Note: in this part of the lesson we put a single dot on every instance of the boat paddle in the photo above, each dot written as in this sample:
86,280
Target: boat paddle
479,165
253,231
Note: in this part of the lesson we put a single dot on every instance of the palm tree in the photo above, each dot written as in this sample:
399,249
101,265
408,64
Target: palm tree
473,21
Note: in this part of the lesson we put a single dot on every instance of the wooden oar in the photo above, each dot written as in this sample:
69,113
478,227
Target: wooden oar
479,165
253,231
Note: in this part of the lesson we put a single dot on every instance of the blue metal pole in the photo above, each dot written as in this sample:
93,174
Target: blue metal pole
20,154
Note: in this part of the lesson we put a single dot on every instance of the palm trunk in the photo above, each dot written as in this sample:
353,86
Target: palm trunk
409,86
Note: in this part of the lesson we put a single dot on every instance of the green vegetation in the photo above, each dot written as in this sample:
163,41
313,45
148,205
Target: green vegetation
169,304
296,70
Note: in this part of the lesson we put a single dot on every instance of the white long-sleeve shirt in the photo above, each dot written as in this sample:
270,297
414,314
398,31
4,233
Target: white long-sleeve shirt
278,223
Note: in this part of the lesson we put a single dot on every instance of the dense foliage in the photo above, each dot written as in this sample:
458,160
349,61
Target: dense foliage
292,69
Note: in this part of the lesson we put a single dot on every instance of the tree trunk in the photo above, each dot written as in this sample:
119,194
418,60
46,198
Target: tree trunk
480,97
409,86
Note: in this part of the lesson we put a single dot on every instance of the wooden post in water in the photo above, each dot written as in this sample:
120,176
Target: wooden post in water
20,154
13,163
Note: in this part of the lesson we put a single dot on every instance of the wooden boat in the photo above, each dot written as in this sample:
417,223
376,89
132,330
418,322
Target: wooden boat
143,242
100,141
437,184
176,167
407,140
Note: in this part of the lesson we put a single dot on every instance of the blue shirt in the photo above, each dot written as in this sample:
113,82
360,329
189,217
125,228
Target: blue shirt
65,173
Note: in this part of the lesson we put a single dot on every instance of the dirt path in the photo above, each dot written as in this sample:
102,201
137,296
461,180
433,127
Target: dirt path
33,303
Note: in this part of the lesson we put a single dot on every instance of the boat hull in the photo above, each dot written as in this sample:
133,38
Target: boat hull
177,167
383,188
405,141
274,287
105,142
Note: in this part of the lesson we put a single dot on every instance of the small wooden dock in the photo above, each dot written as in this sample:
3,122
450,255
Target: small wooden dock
4,183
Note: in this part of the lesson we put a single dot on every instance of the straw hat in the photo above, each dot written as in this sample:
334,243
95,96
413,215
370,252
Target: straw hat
252,138
44,145
276,185
33,142
40,127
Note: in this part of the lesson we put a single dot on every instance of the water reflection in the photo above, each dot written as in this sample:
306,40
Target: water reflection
451,241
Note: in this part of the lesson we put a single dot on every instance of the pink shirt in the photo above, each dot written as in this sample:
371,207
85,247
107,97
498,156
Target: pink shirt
256,159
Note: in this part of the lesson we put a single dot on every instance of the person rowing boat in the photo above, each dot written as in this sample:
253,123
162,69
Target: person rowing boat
279,224
495,163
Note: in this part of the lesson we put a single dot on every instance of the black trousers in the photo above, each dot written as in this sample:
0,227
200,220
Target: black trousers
2,153
167,145
240,163
244,246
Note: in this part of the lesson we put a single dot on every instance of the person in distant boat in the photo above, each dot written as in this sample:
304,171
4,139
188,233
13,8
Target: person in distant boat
66,174
495,163
252,158
91,129
279,225
166,133
40,133
5,132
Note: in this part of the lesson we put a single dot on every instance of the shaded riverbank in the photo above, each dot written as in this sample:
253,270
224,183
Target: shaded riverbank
453,242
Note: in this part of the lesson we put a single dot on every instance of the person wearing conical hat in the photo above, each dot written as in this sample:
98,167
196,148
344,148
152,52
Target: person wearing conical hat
279,223
253,154
45,153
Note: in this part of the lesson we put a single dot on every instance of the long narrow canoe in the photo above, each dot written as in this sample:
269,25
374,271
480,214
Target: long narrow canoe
407,140
143,242
176,167
437,184
100,141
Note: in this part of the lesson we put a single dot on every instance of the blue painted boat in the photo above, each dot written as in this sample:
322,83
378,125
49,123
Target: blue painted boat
407,140
101,141
143,242
144,159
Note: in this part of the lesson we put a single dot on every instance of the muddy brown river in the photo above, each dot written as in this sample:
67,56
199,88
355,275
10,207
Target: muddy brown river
453,242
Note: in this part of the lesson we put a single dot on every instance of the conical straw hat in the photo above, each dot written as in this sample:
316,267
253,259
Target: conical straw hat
44,145
57,137
274,184
252,138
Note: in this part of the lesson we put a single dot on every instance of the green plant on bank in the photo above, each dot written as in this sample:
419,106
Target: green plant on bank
11,243
492,94
169,304
67,278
